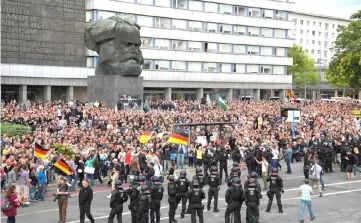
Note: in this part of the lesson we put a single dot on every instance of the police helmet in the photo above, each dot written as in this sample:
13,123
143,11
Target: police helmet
118,183
235,164
195,182
171,178
156,179
214,169
253,175
183,173
251,182
274,171
198,170
236,181
144,188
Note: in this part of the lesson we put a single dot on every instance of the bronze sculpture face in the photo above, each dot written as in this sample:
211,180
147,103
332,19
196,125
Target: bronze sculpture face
117,41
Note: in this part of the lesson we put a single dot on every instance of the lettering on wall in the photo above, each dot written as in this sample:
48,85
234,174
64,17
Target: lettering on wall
43,32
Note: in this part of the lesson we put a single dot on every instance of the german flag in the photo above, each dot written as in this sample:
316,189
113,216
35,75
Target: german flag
40,152
63,167
179,136
146,135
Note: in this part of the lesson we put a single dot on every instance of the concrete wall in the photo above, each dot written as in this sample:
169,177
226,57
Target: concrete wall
80,93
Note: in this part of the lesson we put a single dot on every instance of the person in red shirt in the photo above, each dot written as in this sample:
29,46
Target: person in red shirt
127,161
13,199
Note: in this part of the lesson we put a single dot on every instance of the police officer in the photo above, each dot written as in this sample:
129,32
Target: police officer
143,204
252,175
134,194
253,195
119,196
196,195
223,158
214,182
235,172
172,199
156,192
234,198
199,177
206,161
276,187
182,185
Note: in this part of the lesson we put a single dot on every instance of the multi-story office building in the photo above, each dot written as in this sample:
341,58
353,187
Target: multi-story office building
316,34
193,48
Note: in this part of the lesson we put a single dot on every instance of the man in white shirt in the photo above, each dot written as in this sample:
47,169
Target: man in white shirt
274,161
306,192
158,169
315,176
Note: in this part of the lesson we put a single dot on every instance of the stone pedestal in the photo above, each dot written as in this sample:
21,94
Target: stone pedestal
47,93
199,94
314,95
109,88
23,93
69,93
229,94
168,94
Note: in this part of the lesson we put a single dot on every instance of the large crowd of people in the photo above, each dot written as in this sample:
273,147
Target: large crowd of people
107,140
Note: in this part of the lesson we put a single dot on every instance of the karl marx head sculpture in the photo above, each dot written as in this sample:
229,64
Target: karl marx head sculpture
117,41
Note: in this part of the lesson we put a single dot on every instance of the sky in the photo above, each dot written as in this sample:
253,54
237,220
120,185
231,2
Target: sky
337,8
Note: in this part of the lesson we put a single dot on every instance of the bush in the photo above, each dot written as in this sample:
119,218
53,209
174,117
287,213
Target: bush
13,129
67,151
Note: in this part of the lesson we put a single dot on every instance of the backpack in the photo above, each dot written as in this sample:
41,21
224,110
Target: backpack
5,205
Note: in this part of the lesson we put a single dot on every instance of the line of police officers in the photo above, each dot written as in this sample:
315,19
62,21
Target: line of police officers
144,199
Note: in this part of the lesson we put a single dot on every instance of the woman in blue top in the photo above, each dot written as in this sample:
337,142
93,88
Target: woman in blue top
89,163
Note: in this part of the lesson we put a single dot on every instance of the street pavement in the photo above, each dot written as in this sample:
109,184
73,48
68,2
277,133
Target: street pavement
340,203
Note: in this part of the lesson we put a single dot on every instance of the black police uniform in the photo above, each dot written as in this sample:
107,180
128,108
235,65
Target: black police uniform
223,164
143,205
119,196
253,195
235,172
201,181
234,199
206,163
214,181
157,191
196,195
172,199
134,195
254,176
276,187
182,188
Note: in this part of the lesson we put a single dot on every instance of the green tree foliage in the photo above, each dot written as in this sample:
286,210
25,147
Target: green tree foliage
345,67
14,130
67,151
303,69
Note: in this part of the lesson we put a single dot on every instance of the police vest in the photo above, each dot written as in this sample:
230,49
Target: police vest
274,181
157,192
196,196
224,157
251,194
236,194
213,182
182,187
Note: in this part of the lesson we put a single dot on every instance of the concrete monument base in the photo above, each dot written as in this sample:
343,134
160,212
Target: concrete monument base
110,88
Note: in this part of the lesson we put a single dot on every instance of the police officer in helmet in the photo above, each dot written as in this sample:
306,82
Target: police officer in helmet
223,158
134,194
182,185
276,188
252,175
253,195
156,192
119,196
196,195
172,199
143,204
214,182
235,172
234,199
200,178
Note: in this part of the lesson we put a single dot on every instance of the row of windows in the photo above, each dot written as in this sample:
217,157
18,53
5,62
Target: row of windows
312,52
313,33
166,23
197,5
319,24
183,45
313,42
166,65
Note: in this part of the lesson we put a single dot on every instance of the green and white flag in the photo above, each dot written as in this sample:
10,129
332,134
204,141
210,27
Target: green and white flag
222,104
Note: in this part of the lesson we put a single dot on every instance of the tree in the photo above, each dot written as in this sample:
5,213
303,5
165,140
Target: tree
345,67
303,69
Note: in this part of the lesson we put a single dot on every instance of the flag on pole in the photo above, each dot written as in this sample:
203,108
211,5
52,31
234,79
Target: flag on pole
179,136
222,104
63,167
146,135
116,107
40,152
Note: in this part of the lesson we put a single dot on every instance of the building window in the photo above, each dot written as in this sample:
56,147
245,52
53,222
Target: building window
162,23
211,27
301,22
194,66
319,33
280,33
195,26
253,31
161,64
240,68
210,7
308,23
313,51
195,46
238,10
307,42
326,25
320,24
306,50
254,12
278,70
195,5
210,67
253,50
210,47
179,45
162,3
178,65
313,33
301,31
269,14
266,51
333,35
225,68
146,42
318,51
145,21
280,52
313,42
319,43
180,4
252,68
307,32
239,49
266,69
240,30
226,9
162,44
325,53
281,15
267,32
227,29
326,35
333,26
179,24
301,41
326,44
147,65
314,23
145,2
225,48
